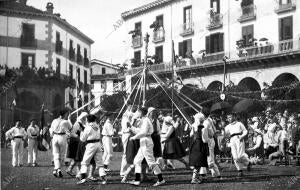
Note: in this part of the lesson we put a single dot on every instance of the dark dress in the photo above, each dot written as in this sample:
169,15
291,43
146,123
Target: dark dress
199,150
131,150
156,141
173,148
73,144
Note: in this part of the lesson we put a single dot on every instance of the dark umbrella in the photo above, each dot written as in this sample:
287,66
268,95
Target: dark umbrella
263,39
247,106
220,106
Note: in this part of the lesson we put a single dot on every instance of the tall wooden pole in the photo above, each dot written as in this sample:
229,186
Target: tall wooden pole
146,39
173,60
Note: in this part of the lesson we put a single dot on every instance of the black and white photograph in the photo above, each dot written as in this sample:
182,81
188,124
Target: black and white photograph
150,94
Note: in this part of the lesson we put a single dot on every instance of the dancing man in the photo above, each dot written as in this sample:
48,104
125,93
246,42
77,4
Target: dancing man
107,133
237,132
32,132
59,130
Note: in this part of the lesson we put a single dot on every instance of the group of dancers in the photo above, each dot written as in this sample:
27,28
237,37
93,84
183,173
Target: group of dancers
147,142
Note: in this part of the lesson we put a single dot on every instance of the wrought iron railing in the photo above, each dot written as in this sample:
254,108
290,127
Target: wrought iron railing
215,20
159,35
247,13
283,7
137,41
187,29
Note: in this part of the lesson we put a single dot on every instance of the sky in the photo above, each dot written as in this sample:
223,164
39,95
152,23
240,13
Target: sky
96,19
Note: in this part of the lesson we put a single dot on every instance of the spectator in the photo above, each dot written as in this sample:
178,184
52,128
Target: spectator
256,153
270,144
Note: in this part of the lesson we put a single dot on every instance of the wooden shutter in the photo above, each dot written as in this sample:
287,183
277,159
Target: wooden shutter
221,42
207,44
189,45
24,60
180,49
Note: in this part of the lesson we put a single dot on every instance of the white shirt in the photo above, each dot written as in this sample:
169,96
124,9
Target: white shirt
60,126
146,128
91,132
15,131
124,122
33,131
208,123
236,127
108,129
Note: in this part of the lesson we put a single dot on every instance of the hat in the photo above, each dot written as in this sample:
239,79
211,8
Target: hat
150,109
199,117
168,120
82,115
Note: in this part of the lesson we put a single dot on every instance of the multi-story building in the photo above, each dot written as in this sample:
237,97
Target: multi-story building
260,39
106,78
56,51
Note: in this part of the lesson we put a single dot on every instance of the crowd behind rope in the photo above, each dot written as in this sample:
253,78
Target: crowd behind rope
153,139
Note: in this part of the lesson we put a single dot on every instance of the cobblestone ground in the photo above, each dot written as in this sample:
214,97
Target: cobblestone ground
40,178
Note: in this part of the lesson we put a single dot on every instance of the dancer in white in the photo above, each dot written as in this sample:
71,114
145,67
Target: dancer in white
32,132
59,130
107,133
17,135
91,135
209,125
237,132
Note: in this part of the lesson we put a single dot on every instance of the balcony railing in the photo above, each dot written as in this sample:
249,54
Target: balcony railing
285,7
286,45
215,21
58,47
79,58
105,76
187,29
248,13
86,62
137,41
28,42
159,35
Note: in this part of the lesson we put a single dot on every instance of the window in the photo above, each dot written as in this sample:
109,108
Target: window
57,36
286,28
58,66
185,48
103,85
214,43
28,60
78,74
85,77
85,53
215,5
247,34
78,49
284,2
138,28
103,71
187,15
159,53
71,71
137,58
71,44
160,20
28,31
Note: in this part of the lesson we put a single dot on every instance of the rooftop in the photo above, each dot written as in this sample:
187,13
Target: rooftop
21,8
103,63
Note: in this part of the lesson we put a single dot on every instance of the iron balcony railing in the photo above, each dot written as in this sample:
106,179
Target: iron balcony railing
187,29
247,13
137,41
284,7
58,47
28,42
159,35
215,21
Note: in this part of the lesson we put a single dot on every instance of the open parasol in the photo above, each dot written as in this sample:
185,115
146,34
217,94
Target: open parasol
247,106
220,106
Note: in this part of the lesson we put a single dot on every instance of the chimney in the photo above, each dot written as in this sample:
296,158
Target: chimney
49,8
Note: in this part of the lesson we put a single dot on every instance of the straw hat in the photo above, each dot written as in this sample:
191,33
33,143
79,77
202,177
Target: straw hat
150,109
199,117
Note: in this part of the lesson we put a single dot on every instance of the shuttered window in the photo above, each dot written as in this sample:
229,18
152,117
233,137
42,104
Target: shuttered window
215,5
159,53
286,28
185,47
247,34
137,57
214,43
58,66
28,31
28,60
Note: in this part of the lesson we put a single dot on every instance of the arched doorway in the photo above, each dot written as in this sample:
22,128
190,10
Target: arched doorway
286,79
28,107
249,84
215,86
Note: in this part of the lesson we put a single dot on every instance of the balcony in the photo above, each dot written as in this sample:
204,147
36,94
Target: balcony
105,77
159,35
79,59
286,45
137,41
187,29
86,62
215,21
72,54
248,13
28,42
212,57
281,8
58,47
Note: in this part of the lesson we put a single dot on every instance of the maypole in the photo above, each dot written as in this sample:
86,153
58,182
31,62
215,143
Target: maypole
146,39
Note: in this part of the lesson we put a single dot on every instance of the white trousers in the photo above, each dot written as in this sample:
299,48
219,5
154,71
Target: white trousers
17,151
32,150
108,150
146,151
211,159
92,150
124,165
238,153
59,145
